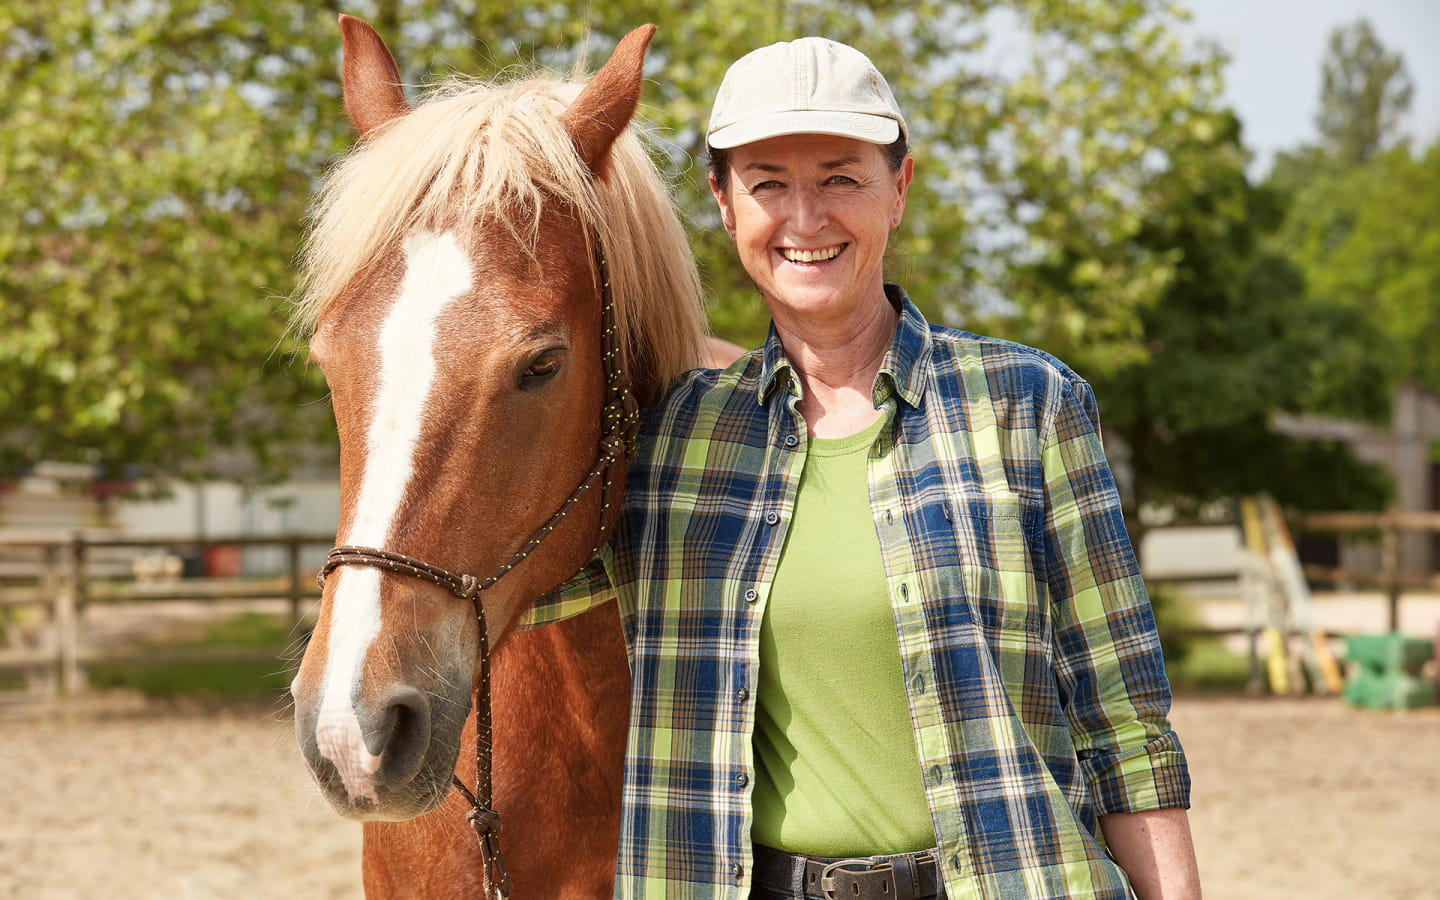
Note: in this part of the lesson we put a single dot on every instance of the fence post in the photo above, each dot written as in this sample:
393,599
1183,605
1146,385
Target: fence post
70,606
294,549
1390,567
46,681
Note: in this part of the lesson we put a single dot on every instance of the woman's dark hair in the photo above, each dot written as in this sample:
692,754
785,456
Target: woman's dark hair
895,154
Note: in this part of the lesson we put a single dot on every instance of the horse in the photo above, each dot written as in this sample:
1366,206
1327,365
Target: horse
488,279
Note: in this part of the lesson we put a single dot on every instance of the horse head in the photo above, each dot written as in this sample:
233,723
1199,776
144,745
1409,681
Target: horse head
455,302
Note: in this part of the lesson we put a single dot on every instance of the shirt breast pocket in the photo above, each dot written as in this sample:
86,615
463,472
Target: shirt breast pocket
996,565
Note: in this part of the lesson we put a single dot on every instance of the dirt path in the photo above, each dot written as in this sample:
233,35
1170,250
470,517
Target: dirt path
167,806
1293,799
1309,799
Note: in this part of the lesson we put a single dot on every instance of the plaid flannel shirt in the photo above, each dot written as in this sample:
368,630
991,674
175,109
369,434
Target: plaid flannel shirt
1032,666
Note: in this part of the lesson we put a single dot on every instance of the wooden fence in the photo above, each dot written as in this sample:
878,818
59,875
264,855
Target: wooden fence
47,587
1389,578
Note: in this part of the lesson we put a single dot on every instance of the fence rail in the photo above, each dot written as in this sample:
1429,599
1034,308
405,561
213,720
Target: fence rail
48,586
1389,578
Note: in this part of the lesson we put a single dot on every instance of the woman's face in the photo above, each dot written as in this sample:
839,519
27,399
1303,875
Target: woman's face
811,215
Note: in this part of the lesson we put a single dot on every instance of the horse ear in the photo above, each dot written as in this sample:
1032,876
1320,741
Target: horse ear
608,102
371,80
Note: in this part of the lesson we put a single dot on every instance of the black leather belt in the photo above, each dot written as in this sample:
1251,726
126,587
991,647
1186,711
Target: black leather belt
903,876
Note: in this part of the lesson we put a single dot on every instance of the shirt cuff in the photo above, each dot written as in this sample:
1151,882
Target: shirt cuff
1156,776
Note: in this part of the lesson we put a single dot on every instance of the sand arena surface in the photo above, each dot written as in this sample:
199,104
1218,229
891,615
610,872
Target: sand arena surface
1294,799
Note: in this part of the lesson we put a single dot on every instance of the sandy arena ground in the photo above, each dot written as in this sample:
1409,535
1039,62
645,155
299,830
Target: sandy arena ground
1295,798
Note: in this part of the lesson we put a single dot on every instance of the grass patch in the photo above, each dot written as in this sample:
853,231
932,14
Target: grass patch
1206,664
249,633
1194,663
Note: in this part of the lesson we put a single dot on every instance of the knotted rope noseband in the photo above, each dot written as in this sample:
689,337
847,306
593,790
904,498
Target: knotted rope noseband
619,418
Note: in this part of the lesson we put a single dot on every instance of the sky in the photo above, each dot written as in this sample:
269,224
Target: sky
1276,48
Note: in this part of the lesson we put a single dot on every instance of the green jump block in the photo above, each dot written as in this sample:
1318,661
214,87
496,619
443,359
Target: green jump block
1385,671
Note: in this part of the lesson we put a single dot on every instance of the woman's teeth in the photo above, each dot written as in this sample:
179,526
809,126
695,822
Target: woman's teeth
811,255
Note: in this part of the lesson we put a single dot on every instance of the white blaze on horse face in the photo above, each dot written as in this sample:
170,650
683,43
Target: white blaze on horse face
437,272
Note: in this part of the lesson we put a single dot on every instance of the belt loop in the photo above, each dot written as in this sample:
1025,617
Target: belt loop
797,876
902,870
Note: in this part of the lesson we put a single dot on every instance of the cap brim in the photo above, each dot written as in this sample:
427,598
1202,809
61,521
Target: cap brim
860,126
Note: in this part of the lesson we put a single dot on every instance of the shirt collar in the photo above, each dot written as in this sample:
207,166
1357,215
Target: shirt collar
901,372
775,368
903,368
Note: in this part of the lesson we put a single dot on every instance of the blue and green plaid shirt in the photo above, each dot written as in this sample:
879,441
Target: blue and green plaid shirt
1032,666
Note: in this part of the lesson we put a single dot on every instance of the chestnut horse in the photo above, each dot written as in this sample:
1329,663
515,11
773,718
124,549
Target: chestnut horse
453,295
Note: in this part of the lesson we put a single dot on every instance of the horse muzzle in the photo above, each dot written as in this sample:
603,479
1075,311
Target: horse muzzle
386,753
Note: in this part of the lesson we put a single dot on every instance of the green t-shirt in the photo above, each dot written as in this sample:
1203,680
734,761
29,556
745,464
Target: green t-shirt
838,773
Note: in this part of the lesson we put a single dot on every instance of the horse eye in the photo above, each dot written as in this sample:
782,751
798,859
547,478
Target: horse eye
543,367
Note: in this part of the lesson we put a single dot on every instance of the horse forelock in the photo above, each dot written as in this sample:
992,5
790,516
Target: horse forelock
475,156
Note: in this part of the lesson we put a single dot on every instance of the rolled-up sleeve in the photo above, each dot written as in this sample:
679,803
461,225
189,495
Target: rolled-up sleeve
1108,660
589,588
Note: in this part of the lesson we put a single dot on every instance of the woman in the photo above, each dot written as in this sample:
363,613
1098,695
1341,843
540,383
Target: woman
887,633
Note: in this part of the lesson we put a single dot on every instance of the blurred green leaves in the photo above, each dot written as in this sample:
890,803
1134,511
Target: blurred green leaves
149,210
1079,187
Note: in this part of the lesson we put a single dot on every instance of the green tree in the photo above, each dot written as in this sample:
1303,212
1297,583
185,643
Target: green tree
1362,226
1365,94
159,153
152,190
1235,342
1367,238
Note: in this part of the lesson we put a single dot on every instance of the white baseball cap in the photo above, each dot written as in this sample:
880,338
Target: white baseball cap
808,86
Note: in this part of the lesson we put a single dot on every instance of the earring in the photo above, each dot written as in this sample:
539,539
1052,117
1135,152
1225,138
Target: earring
895,220
732,235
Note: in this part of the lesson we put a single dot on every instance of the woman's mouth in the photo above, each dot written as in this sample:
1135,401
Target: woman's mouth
823,254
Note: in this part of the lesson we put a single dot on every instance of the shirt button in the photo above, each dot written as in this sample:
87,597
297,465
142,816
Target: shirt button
904,591
737,870
742,779
791,440
772,517
919,682
751,595
742,695
889,517
936,776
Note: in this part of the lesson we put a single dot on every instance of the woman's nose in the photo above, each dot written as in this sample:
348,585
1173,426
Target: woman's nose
808,214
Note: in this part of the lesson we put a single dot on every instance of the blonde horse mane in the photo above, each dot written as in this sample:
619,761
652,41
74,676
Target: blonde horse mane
479,156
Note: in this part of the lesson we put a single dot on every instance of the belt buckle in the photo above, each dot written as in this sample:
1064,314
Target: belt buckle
827,877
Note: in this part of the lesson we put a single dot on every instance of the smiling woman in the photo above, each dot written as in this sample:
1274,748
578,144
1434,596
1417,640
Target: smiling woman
887,634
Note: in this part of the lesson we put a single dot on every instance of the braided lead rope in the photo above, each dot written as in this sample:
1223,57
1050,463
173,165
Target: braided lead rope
620,416
482,815
466,587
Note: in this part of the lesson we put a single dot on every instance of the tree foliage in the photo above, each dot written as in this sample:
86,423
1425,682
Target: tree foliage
1234,341
151,196
1367,238
1361,225
1365,93
159,154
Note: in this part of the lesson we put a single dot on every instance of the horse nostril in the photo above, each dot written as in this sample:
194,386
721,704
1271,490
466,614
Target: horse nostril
401,736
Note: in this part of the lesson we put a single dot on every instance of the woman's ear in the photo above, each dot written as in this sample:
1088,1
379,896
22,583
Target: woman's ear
902,188
726,218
